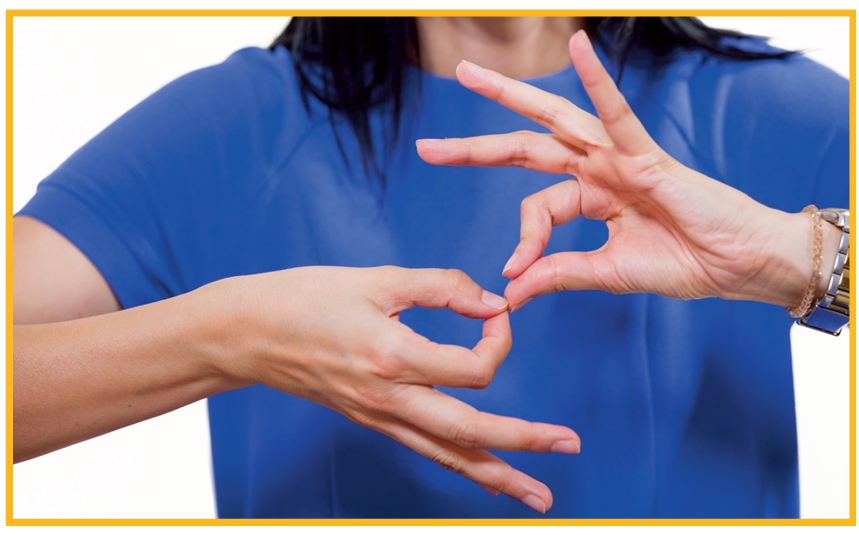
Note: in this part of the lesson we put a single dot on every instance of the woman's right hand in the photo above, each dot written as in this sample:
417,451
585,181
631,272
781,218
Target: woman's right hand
332,335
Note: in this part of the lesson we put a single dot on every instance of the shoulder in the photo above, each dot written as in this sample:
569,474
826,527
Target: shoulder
796,89
226,125
253,91
775,128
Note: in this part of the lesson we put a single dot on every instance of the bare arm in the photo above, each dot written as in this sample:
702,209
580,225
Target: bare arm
81,366
74,380
672,231
330,335
54,281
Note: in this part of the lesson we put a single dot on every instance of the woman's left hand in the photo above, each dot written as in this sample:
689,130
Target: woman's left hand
672,230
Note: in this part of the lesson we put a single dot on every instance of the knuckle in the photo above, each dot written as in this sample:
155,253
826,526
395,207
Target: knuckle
529,440
361,418
528,204
548,114
483,377
571,165
520,155
457,280
555,275
387,363
376,399
504,482
617,112
389,277
447,459
388,271
465,433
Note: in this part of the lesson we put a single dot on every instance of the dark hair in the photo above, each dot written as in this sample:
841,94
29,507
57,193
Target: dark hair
355,64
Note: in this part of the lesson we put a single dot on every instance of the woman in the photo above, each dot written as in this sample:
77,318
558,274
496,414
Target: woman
279,179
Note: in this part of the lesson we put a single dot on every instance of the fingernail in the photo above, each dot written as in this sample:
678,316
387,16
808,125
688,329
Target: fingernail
535,503
495,301
510,263
515,308
428,141
490,490
567,446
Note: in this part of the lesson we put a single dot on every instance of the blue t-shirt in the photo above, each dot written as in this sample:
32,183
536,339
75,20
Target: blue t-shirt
685,408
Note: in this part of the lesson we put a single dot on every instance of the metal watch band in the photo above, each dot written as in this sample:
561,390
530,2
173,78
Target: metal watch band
832,311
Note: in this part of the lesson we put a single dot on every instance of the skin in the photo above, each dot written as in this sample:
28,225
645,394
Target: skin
519,47
328,334
84,367
711,240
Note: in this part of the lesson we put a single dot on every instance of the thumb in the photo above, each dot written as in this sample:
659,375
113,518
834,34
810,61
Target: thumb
558,272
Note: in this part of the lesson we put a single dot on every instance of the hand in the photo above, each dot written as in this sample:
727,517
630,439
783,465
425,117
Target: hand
672,230
333,336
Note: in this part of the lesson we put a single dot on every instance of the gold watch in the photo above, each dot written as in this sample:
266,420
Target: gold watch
832,311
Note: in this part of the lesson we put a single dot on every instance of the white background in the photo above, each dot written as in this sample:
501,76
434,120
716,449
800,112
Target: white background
73,76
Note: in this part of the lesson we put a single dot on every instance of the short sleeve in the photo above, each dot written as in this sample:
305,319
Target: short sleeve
162,192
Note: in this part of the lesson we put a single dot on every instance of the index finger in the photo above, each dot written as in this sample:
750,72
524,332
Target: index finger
556,113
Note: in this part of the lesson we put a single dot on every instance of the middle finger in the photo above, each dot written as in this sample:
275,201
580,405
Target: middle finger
540,152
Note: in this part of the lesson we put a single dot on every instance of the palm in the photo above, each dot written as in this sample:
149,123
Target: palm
650,247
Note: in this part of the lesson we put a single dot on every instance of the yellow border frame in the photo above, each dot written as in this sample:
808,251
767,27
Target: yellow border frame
10,521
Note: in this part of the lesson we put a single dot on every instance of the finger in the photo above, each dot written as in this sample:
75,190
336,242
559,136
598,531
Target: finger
556,113
553,206
621,124
480,466
563,271
430,363
451,419
541,152
437,288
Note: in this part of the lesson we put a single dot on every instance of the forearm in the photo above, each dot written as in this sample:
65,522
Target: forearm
78,379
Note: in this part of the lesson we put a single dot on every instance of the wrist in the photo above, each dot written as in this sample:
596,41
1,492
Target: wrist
220,332
788,259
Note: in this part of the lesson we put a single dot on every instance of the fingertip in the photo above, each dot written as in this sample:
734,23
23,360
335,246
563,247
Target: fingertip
514,295
470,75
425,148
506,271
582,53
536,503
463,68
571,446
581,41
526,253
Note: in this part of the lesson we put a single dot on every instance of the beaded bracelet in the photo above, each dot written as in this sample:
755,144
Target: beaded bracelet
808,298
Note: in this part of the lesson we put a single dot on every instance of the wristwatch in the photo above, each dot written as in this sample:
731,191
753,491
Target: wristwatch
832,312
